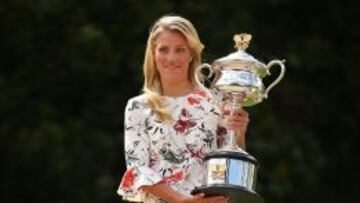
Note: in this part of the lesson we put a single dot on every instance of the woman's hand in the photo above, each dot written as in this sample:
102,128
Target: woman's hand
200,198
238,121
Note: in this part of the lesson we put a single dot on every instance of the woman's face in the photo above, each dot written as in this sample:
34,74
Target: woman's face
172,57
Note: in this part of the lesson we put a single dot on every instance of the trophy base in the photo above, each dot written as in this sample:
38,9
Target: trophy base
237,194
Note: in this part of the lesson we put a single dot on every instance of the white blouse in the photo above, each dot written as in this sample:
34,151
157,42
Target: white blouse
170,152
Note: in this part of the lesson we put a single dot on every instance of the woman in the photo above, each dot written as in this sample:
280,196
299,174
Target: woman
174,123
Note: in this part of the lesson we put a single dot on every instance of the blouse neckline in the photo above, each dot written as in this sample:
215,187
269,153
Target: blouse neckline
182,96
178,97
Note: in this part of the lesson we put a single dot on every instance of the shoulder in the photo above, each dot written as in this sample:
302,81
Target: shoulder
208,101
138,98
205,95
137,103
202,92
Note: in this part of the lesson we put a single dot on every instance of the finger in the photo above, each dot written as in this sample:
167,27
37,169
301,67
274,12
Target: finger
238,120
217,199
238,128
237,123
241,124
240,111
199,196
238,115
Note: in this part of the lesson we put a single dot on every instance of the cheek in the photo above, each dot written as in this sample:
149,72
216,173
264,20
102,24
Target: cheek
159,59
186,59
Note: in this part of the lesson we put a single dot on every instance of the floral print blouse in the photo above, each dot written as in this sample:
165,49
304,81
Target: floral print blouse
170,152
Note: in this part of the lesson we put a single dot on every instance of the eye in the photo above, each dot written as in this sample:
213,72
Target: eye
181,49
162,49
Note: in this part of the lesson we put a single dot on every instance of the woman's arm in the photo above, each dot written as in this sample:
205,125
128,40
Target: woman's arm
164,192
137,153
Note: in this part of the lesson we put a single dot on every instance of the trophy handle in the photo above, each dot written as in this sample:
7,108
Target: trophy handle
281,75
200,77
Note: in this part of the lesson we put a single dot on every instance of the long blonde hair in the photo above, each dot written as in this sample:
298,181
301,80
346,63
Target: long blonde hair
152,84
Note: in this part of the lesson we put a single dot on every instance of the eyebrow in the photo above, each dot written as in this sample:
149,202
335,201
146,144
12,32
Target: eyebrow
177,46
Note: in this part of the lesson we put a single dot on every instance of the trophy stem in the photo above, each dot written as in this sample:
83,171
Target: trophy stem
232,139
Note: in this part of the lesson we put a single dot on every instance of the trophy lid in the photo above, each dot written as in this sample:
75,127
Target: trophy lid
242,42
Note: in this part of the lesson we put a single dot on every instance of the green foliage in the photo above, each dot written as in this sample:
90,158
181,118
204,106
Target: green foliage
67,69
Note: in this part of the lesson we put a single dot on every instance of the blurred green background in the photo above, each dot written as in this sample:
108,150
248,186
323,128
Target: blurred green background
67,68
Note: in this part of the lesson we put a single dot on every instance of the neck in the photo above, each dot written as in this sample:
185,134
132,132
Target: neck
176,88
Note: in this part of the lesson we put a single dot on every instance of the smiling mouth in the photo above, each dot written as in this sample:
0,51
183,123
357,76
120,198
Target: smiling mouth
173,68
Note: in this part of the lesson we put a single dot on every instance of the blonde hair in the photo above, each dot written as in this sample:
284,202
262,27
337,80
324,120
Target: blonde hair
152,85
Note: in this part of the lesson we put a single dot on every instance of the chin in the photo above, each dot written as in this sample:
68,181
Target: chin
175,78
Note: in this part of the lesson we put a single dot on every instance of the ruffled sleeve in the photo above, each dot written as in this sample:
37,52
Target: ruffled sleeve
137,155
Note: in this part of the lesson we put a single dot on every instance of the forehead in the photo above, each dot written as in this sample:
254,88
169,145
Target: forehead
171,37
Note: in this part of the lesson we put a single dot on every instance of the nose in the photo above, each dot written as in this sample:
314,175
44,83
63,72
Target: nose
172,57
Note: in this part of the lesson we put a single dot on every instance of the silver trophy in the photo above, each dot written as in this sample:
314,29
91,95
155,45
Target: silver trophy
236,81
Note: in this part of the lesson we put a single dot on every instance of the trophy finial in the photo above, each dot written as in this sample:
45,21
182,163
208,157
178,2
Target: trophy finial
242,41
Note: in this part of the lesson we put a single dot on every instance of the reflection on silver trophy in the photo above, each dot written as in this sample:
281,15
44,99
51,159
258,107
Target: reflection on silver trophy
236,82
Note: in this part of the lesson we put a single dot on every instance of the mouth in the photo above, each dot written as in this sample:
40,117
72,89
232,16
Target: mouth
173,69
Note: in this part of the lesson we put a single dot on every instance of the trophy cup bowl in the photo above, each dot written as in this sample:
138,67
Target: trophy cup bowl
236,82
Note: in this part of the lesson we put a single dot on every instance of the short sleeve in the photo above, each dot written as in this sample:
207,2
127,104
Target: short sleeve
137,147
